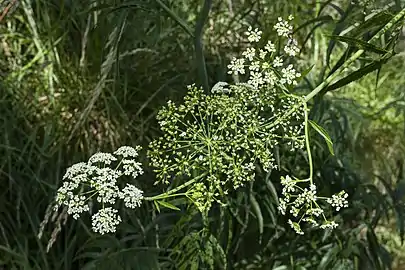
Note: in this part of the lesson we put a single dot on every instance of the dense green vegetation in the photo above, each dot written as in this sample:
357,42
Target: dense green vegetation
80,77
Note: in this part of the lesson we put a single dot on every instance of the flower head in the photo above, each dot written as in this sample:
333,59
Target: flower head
98,180
236,66
339,200
106,220
283,28
105,158
253,35
127,151
132,196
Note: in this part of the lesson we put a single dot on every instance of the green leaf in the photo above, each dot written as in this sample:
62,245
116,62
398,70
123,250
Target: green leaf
281,267
306,71
259,216
340,26
354,76
323,19
157,206
271,187
359,44
376,22
168,205
328,258
343,58
324,134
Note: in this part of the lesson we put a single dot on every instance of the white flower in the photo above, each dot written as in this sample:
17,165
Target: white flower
270,77
237,66
255,66
311,221
75,169
288,183
253,35
76,205
278,61
107,192
127,151
339,201
314,211
282,206
329,225
256,79
289,75
283,28
106,220
294,211
291,48
249,53
105,158
308,196
131,167
104,175
132,196
262,54
270,47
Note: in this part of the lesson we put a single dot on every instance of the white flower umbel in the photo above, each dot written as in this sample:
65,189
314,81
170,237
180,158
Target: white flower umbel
131,167
339,200
75,170
270,47
127,151
295,226
329,225
106,220
99,181
132,196
278,61
250,53
283,28
237,66
253,35
304,204
105,158
289,75
76,205
291,48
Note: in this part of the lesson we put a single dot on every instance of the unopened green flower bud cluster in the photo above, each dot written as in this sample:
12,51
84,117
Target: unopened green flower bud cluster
98,180
229,131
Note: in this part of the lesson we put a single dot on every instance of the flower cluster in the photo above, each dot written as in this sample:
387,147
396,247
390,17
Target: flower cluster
226,133
264,64
303,204
99,179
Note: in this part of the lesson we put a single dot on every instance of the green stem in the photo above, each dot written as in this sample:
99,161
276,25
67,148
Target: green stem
170,192
307,144
199,51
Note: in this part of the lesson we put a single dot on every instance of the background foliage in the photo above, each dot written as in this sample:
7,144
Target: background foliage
84,76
